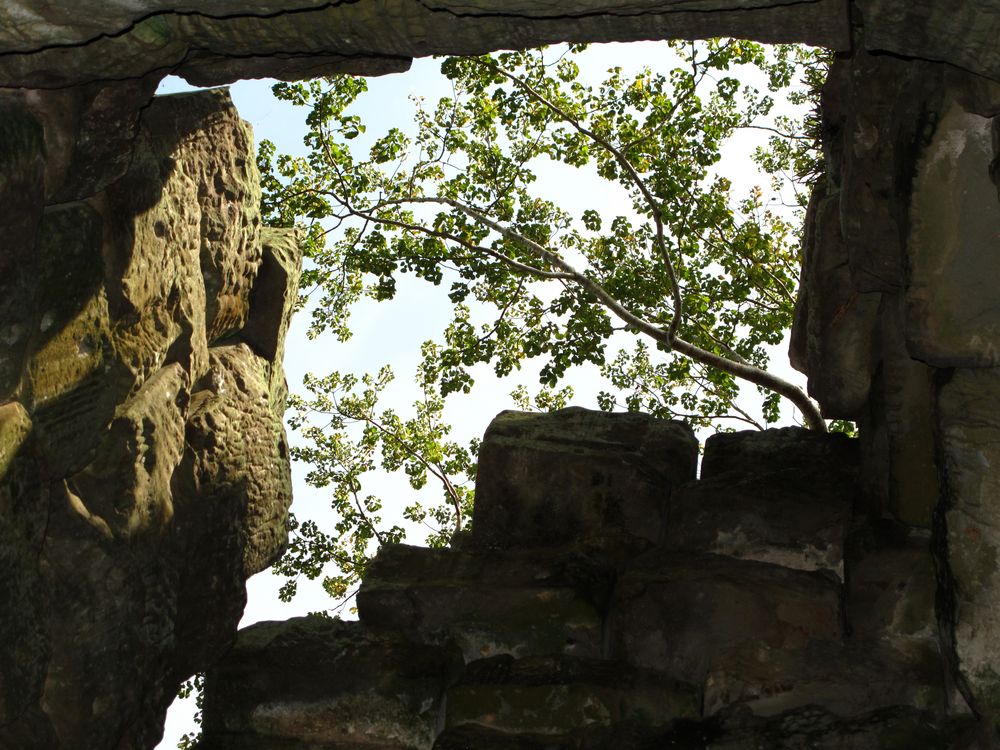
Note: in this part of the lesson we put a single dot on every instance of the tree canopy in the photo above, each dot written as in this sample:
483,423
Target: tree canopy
675,297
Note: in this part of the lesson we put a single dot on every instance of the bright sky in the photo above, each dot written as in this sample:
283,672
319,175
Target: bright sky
390,333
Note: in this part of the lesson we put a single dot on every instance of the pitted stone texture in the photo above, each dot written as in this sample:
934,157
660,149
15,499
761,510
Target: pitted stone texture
45,48
202,152
675,612
239,453
322,683
968,406
559,696
954,251
125,491
216,158
573,474
540,602
143,476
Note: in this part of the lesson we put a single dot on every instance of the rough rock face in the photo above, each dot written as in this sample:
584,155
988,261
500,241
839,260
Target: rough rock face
584,645
50,46
897,327
143,466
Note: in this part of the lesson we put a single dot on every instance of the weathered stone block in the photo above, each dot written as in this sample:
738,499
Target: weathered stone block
549,479
239,459
272,300
544,602
127,489
833,458
558,695
968,409
675,612
783,518
834,323
954,254
321,683
217,162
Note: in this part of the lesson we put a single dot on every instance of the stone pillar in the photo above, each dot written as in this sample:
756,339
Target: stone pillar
143,463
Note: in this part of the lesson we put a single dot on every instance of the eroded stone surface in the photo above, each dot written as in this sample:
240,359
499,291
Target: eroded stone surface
775,518
675,612
560,696
143,475
578,474
847,679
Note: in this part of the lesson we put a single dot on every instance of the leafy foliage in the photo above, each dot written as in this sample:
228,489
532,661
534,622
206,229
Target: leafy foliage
674,296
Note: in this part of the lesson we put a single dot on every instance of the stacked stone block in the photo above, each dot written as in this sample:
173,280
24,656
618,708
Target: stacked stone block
757,607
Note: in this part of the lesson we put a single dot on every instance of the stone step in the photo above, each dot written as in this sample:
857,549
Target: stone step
546,601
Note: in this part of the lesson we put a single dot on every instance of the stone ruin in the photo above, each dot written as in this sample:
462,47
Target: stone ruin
808,590
605,598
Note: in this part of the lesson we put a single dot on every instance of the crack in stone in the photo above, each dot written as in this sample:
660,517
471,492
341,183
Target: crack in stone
180,14
613,12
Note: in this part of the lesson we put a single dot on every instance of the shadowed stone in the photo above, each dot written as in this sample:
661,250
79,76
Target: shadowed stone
46,48
526,603
675,612
322,683
576,474
556,696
